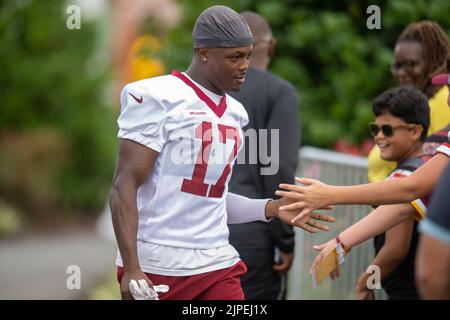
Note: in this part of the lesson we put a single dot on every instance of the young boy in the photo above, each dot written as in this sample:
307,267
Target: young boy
392,195
402,121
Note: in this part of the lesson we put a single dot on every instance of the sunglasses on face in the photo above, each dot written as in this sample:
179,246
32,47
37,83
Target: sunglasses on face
387,129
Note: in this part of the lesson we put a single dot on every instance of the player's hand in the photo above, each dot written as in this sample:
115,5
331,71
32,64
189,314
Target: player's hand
361,290
125,283
310,222
303,200
313,226
324,250
286,263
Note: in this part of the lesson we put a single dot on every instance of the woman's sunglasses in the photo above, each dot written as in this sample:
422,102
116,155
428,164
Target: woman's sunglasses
387,129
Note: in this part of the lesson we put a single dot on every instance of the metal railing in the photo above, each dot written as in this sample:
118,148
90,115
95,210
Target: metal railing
338,169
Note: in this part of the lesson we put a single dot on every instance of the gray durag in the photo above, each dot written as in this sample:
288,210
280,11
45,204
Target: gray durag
221,27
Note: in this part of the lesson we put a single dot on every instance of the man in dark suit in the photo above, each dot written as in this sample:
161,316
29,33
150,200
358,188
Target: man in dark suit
271,103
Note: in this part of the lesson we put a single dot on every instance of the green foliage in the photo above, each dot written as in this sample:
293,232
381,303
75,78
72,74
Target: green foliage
327,52
51,77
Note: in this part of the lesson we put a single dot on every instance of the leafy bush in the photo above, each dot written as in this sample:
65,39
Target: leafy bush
52,78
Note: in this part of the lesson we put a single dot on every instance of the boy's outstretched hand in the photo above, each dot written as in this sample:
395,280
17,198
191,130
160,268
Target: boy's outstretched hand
303,200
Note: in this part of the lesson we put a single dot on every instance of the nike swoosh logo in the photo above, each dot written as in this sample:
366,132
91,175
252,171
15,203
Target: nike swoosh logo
138,100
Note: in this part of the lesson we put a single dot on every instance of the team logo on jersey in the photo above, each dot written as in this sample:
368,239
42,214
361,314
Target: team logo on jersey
138,100
194,113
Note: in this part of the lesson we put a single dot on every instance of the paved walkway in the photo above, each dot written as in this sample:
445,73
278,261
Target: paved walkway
35,266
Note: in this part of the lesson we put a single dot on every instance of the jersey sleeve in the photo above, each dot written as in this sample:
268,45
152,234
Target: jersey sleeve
142,118
421,209
444,149
419,205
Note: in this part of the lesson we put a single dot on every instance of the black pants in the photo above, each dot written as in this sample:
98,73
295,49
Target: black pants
261,282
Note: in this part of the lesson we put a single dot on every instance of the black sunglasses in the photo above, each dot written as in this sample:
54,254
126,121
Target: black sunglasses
387,129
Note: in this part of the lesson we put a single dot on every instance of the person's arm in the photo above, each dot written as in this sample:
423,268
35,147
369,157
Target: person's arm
241,209
395,249
134,164
315,194
432,268
378,221
433,254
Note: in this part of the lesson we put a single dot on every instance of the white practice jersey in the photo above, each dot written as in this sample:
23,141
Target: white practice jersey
182,202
